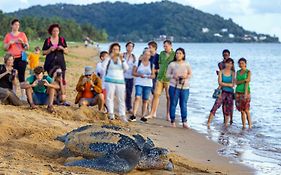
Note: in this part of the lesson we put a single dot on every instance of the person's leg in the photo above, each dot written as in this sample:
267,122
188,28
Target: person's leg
84,102
155,101
129,89
243,119
120,89
166,87
97,100
110,90
13,99
249,118
50,101
184,95
145,98
21,67
214,109
174,94
138,94
29,94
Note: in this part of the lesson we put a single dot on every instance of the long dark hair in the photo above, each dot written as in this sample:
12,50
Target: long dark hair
179,49
112,45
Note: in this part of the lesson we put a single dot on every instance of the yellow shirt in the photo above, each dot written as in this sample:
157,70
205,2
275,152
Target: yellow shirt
33,60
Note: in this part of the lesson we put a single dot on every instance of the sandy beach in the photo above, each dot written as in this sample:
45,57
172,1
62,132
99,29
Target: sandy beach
27,144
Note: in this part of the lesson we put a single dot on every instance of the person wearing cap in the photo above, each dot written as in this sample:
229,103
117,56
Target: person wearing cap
89,88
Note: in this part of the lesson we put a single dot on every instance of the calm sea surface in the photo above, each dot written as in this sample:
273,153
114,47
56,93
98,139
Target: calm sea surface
259,147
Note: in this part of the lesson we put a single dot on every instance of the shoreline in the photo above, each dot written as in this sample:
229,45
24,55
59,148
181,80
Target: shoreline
28,146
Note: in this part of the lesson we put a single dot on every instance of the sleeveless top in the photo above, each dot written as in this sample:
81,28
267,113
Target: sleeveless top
241,87
145,70
227,79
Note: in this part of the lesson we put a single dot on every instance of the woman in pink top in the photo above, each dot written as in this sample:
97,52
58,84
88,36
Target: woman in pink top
179,72
15,43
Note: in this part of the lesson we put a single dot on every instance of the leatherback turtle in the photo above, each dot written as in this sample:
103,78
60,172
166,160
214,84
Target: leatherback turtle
113,149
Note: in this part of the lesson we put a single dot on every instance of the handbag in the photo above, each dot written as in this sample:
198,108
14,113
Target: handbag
217,93
24,56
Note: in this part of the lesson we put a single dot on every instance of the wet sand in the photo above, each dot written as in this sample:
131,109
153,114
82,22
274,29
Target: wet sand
27,144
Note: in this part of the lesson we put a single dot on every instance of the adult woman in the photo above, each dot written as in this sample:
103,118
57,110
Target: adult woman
114,67
179,72
129,78
54,48
8,82
243,78
16,43
144,73
226,80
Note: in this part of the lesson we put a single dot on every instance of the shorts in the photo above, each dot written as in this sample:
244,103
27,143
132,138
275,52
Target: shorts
143,91
91,101
160,85
40,98
242,103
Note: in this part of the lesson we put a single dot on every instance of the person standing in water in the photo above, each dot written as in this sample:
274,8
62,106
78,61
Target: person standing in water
226,80
243,98
16,43
162,83
179,72
129,78
221,66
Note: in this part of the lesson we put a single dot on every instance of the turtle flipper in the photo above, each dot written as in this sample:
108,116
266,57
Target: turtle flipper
109,163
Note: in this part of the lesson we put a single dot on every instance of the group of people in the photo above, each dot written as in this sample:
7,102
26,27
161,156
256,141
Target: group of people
38,88
227,80
117,75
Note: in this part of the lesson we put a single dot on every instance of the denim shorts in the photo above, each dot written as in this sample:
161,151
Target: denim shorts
143,91
40,98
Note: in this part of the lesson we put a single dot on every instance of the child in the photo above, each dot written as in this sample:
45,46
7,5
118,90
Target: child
100,71
34,59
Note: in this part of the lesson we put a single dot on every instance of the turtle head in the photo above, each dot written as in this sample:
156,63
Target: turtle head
155,158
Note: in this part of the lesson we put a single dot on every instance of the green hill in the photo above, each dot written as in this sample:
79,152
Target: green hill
157,20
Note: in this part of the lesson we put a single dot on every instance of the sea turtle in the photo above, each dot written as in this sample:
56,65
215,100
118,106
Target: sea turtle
113,149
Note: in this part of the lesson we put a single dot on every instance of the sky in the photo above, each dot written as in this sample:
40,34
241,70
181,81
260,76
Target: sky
262,16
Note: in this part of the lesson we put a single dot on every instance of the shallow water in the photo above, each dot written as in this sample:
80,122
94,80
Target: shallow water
259,147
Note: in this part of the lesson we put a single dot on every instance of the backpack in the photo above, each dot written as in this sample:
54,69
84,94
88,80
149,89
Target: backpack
61,39
151,65
134,57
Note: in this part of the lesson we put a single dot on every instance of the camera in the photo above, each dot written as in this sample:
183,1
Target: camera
41,82
59,74
12,75
181,81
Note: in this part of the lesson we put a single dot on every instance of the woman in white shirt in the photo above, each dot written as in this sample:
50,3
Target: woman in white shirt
144,73
114,81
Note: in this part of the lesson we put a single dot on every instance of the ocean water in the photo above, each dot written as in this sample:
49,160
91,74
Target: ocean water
260,147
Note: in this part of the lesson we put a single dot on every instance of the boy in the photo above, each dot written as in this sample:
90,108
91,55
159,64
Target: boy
100,71
34,59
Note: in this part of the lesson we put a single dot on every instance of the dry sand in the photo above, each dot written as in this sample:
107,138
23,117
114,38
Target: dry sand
27,144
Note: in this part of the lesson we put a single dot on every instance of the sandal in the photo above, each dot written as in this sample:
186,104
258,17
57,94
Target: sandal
33,106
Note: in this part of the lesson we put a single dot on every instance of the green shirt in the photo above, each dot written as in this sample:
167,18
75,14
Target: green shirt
37,88
241,87
164,62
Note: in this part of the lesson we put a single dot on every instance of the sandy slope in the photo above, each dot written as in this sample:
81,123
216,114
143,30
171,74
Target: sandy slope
27,144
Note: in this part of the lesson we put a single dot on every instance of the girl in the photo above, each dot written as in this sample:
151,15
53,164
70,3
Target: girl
179,72
226,80
243,92
144,73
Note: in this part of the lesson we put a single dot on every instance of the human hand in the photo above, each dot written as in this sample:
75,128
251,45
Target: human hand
35,83
20,41
12,42
60,48
46,83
